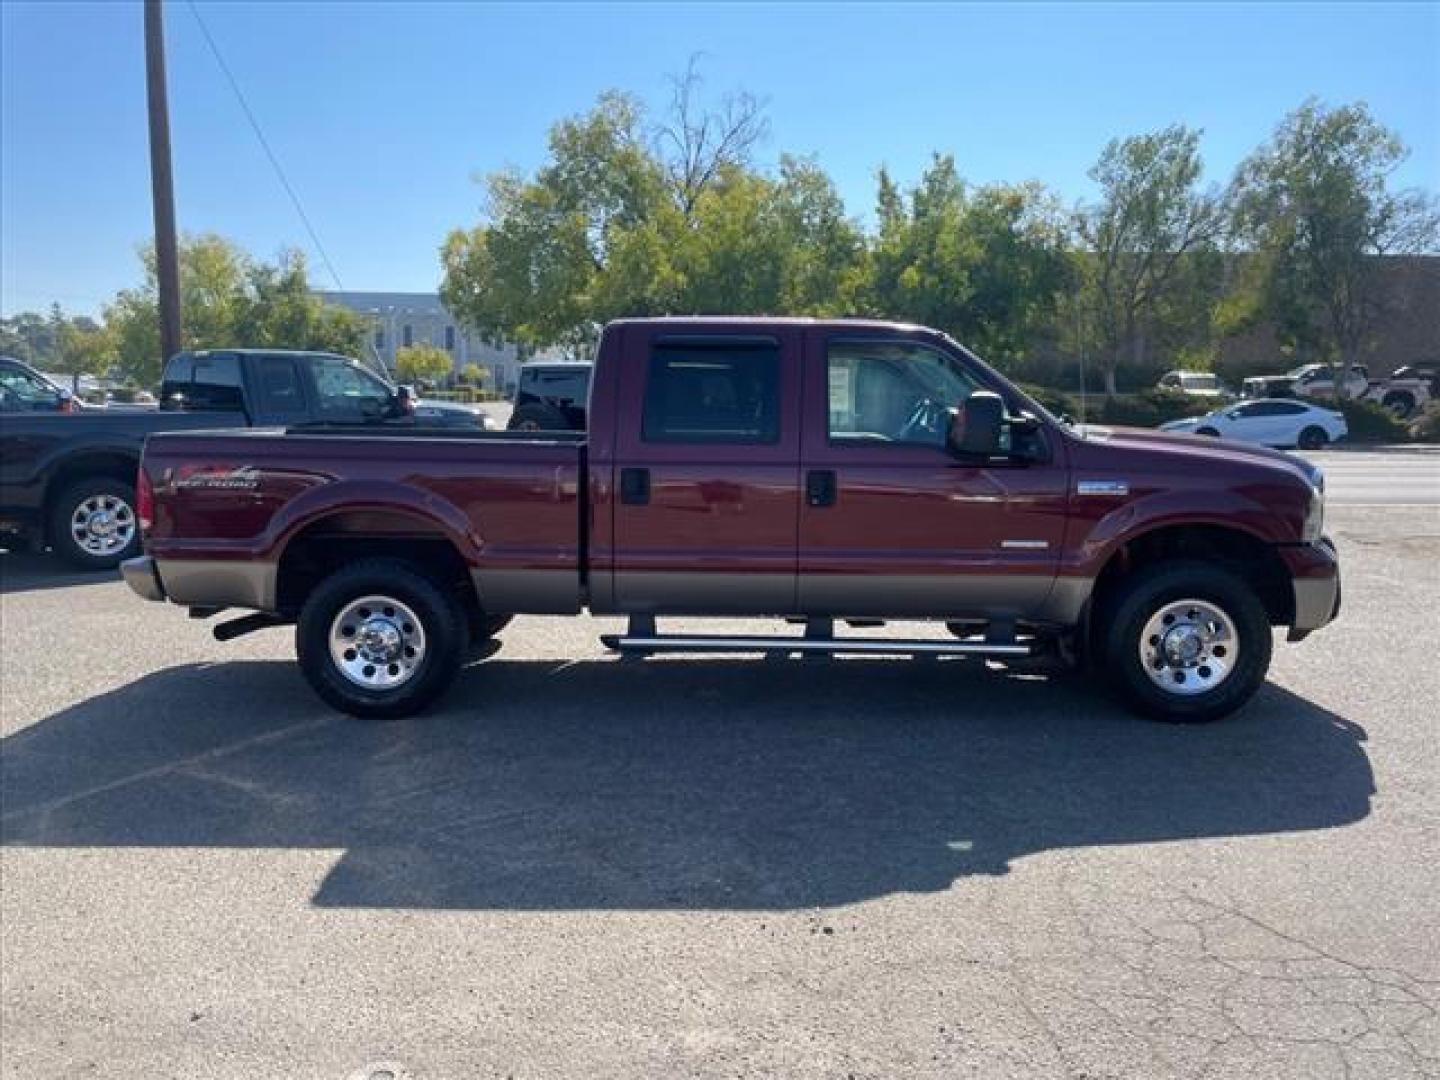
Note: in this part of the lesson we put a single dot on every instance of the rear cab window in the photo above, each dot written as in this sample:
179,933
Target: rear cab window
277,391
712,393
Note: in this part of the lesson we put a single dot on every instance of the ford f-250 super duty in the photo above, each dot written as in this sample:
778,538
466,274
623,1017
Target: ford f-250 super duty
820,470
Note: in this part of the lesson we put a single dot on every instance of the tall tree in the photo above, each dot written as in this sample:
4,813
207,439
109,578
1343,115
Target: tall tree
228,299
84,348
986,264
1141,241
1315,207
632,218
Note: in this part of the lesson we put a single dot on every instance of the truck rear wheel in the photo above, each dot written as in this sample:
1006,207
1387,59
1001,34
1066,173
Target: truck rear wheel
93,523
1185,642
379,639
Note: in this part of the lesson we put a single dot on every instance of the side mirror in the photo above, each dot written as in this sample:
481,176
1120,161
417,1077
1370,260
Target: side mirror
405,399
975,426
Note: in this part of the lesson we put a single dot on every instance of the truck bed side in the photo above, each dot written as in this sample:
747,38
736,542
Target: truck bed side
237,517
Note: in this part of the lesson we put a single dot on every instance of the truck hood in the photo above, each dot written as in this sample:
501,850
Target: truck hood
1202,448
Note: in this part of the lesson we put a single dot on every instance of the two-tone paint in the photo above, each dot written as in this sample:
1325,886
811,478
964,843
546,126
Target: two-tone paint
903,530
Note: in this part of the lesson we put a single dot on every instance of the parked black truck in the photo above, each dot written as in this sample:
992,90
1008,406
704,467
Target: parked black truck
67,480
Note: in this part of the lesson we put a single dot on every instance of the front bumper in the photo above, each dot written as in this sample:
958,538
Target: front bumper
142,577
1315,574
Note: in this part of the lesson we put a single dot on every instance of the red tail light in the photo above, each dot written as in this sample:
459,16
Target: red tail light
144,502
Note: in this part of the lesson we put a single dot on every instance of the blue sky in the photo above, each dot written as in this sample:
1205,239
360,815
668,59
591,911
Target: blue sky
383,114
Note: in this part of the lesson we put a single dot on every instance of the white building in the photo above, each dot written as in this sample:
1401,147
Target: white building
398,319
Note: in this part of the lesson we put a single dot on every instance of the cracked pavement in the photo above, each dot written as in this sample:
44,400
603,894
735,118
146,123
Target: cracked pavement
715,867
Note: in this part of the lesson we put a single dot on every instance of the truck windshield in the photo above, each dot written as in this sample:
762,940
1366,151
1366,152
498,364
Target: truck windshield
20,391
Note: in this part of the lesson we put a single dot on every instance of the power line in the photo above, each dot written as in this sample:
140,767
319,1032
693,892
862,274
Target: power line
265,145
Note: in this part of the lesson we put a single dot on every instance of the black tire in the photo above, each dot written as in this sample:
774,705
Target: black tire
441,619
1313,438
535,417
1209,432
108,496
1400,404
1121,623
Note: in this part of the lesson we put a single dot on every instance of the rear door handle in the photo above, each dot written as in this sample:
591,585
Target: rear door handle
820,487
635,487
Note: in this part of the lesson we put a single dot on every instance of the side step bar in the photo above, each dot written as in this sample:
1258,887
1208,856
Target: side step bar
723,643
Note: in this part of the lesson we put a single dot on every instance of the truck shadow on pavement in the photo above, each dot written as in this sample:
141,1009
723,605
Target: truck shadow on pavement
667,784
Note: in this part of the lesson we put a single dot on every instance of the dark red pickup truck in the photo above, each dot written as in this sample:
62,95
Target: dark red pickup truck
820,470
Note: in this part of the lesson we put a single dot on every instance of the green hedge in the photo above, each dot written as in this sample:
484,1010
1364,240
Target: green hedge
1369,422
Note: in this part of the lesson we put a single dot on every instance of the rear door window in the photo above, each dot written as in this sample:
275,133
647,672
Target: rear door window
279,392
721,393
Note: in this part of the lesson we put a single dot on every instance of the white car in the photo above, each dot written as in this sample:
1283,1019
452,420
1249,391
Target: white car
1280,422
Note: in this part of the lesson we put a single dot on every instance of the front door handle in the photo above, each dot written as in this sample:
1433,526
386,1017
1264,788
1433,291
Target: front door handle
635,487
820,487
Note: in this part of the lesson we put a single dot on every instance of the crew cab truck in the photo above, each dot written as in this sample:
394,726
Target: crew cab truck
68,481
821,471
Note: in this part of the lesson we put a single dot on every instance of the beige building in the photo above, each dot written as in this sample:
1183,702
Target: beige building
398,319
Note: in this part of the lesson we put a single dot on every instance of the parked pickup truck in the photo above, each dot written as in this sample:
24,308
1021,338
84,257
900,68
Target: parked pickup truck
814,470
69,480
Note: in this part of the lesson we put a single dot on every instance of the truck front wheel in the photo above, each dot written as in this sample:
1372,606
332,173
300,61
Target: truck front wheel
1185,642
379,639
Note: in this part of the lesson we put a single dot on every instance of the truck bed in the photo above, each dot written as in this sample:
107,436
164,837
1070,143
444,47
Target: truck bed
509,502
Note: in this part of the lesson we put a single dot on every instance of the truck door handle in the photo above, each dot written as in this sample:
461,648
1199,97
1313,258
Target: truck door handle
820,487
635,487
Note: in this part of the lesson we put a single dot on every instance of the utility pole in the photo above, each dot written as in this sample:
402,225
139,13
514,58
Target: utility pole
167,254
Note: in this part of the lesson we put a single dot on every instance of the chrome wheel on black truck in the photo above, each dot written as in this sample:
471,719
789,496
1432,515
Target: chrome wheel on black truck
380,639
93,524
1184,641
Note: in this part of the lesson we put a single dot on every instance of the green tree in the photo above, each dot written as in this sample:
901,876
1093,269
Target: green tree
421,363
632,218
228,299
987,265
472,375
1315,207
28,336
1146,246
84,348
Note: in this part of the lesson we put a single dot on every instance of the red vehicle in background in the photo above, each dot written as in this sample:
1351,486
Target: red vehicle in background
818,470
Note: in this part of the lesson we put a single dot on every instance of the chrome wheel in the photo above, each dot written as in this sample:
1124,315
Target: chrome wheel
102,525
377,642
1189,647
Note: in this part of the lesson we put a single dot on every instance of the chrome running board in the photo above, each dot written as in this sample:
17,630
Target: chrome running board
724,643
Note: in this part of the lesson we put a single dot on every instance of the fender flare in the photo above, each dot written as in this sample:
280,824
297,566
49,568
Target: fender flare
343,497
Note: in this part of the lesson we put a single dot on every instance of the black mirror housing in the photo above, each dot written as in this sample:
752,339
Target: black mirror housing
976,426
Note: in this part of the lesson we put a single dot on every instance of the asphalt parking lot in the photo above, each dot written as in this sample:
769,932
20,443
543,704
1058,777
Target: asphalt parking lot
716,867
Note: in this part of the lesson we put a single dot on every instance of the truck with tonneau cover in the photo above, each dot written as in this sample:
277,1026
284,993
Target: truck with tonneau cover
823,471
67,473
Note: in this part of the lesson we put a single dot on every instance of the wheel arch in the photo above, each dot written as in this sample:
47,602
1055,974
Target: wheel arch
1223,543
326,540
